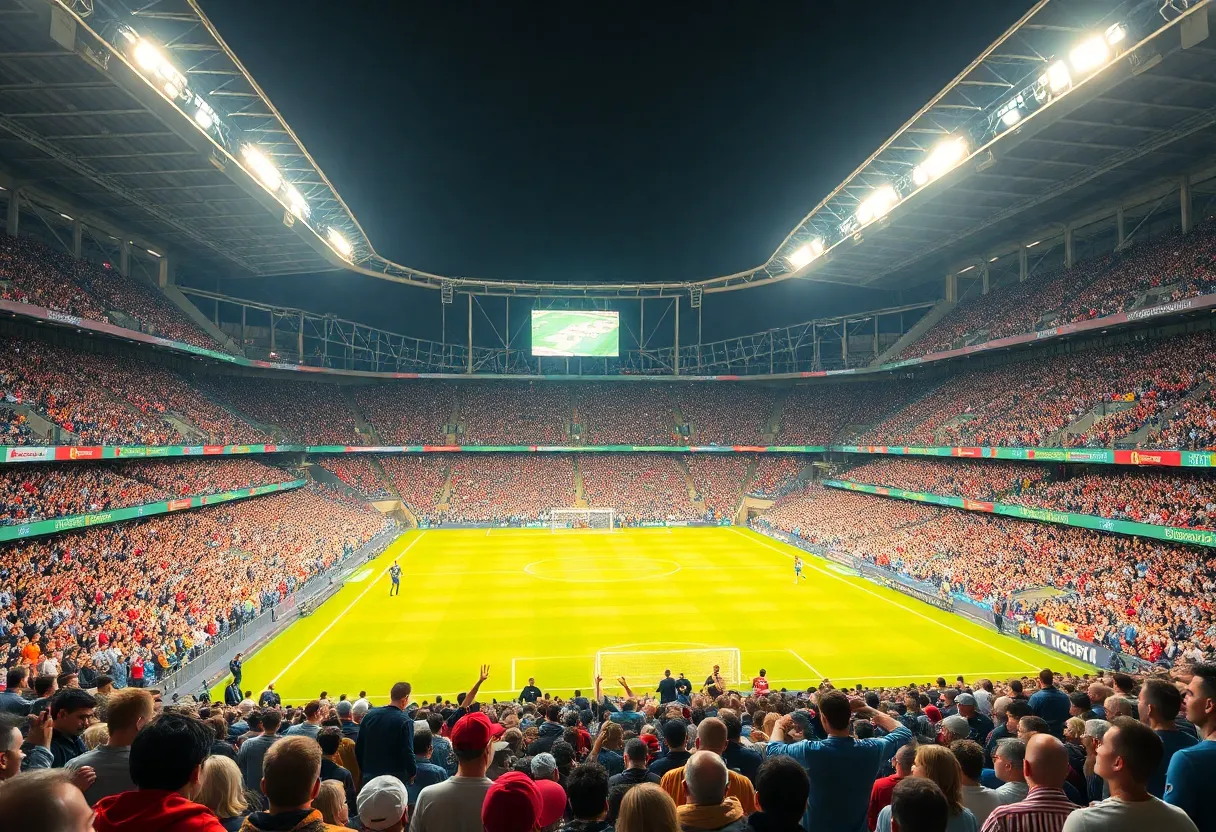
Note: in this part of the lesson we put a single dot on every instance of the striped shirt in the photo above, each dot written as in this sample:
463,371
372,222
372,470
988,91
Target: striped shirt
1043,810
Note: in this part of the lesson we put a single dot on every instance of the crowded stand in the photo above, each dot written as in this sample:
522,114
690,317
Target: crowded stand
957,478
1181,500
636,413
1091,289
508,413
1138,596
418,480
774,473
820,414
136,600
1194,427
641,487
718,480
412,413
32,273
315,414
722,414
508,488
14,428
42,492
358,472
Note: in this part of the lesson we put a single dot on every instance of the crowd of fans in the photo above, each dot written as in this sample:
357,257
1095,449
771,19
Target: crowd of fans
725,414
35,274
1134,595
641,487
418,480
718,479
509,488
314,414
360,473
42,492
515,413
408,413
1051,753
955,477
1091,289
637,413
136,600
774,474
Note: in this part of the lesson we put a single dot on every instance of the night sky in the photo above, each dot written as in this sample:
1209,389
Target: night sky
593,141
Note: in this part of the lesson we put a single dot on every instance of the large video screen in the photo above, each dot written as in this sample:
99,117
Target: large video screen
575,333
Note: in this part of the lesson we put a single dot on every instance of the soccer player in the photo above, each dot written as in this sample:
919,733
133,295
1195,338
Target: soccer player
760,684
797,569
394,572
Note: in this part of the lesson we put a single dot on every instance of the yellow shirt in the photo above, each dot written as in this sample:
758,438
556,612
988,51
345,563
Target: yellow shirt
739,787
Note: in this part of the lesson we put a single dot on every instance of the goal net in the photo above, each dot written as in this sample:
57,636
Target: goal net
644,668
603,519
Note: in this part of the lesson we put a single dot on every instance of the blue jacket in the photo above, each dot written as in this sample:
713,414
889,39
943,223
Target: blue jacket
1052,704
842,772
14,703
386,744
1188,783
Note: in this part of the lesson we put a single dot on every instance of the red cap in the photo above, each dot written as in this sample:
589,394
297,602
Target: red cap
497,729
512,804
472,732
935,716
553,799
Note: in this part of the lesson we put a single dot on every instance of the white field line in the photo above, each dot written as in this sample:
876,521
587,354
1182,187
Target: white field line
349,606
809,666
890,601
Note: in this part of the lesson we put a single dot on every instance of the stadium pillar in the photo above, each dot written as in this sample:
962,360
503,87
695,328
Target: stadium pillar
300,341
876,317
844,343
952,288
675,361
1184,195
1023,264
1119,225
124,258
77,238
984,279
14,211
165,275
469,354
1068,258
244,311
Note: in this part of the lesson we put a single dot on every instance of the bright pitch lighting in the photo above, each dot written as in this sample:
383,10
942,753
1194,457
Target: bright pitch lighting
1090,54
265,170
296,203
1057,77
339,243
1011,116
944,157
877,204
203,119
1115,33
148,56
806,253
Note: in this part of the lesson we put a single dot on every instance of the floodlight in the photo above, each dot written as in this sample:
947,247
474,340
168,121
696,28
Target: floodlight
806,253
964,271
203,119
1032,245
943,158
1057,77
1115,33
993,260
1090,54
171,89
339,243
65,216
153,253
919,175
877,204
296,203
148,56
1011,116
264,168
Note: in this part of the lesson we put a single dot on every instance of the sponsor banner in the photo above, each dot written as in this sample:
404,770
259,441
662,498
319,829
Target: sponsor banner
62,453
1147,457
1071,646
562,449
80,521
26,454
213,449
1100,456
969,609
893,580
79,452
1196,537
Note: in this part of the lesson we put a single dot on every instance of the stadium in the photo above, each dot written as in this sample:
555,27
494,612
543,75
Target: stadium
550,495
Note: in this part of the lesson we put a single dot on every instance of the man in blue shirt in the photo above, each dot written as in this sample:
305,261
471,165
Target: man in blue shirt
842,769
1050,703
1160,703
1192,771
394,572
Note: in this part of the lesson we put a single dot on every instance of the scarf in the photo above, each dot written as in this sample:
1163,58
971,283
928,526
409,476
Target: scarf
710,817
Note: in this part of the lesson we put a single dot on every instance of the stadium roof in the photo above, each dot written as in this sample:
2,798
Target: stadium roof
138,111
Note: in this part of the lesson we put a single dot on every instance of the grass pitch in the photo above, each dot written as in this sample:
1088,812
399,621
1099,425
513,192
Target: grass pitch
529,602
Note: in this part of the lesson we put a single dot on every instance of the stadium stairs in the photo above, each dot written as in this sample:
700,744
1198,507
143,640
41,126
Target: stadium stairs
580,491
44,429
952,422
1094,415
196,315
772,428
362,426
1145,434
694,496
444,503
935,314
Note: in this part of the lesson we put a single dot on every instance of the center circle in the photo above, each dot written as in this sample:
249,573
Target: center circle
607,571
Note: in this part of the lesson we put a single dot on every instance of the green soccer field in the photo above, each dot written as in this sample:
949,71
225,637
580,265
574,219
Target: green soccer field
530,602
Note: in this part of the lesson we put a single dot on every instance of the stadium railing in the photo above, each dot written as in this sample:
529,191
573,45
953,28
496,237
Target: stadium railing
211,664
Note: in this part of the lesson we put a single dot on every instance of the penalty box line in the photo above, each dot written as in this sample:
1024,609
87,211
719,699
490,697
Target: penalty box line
349,606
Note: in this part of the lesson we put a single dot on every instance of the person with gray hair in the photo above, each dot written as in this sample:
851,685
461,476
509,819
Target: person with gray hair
45,800
1007,761
346,713
1117,706
544,766
708,808
954,728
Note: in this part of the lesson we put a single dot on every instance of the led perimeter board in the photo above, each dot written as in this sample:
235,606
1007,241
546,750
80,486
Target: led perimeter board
567,332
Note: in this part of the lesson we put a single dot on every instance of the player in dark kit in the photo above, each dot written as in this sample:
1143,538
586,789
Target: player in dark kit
797,569
394,572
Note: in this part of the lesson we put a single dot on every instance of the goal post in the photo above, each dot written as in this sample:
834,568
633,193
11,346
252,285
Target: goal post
600,519
644,668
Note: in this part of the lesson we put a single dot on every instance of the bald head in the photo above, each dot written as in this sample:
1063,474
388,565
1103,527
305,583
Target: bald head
706,778
1046,762
711,735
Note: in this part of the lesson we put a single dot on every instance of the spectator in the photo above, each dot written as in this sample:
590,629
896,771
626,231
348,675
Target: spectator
587,791
1008,759
635,767
1127,760
918,805
269,698
71,712
1045,806
11,699
841,769
1193,770
979,800
428,773
330,739
331,803
46,800
1159,703
251,754
711,736
675,735
127,713
880,793
939,765
455,804
221,791
382,804
708,807
166,758
647,808
739,758
311,726
291,772
979,725
386,739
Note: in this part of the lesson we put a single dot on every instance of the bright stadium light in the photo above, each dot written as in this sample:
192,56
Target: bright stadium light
943,158
148,56
203,118
964,271
806,253
877,204
339,243
265,170
1090,54
1058,78
1115,33
1032,245
296,203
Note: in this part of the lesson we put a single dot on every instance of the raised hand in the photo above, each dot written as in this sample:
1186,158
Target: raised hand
485,672
84,777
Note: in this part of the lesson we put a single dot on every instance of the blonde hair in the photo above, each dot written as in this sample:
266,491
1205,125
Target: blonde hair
940,765
614,736
220,787
331,802
1074,727
96,735
647,808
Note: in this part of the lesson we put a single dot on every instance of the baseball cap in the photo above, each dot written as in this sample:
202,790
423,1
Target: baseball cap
935,716
382,802
553,801
472,732
512,804
957,725
965,699
543,766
